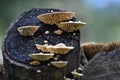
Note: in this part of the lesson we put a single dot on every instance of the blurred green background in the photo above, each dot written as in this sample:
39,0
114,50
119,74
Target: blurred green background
102,16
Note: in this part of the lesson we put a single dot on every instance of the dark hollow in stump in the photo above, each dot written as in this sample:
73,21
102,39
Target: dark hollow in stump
103,66
16,49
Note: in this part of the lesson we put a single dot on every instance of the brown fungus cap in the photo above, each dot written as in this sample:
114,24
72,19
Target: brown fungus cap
55,17
71,26
27,30
92,48
111,46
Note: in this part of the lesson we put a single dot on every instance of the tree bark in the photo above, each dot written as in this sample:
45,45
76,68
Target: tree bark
16,49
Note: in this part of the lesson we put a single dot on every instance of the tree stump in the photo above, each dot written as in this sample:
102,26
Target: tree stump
16,49
103,66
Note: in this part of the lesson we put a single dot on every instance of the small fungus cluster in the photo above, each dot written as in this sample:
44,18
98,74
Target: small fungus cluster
63,21
60,19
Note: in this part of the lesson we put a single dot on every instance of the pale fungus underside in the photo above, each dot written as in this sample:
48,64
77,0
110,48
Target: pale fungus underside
41,56
27,30
76,74
57,49
59,64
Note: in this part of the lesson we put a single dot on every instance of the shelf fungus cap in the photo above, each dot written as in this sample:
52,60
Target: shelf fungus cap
76,74
41,56
43,48
71,26
92,48
59,64
55,17
27,30
57,49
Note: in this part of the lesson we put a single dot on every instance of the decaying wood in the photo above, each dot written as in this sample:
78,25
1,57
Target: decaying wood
16,49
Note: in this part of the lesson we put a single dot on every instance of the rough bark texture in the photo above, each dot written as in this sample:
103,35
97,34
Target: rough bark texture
16,49
103,66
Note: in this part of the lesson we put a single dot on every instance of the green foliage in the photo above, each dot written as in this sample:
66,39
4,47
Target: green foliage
102,24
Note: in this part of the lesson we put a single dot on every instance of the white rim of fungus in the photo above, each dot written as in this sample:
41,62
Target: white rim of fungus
38,54
59,62
79,22
60,45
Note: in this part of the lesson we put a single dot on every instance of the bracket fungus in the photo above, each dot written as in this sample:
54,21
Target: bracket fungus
55,17
57,49
27,30
59,64
91,48
76,74
70,26
41,47
41,56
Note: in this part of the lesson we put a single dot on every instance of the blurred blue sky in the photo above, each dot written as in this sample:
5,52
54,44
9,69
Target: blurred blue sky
100,3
